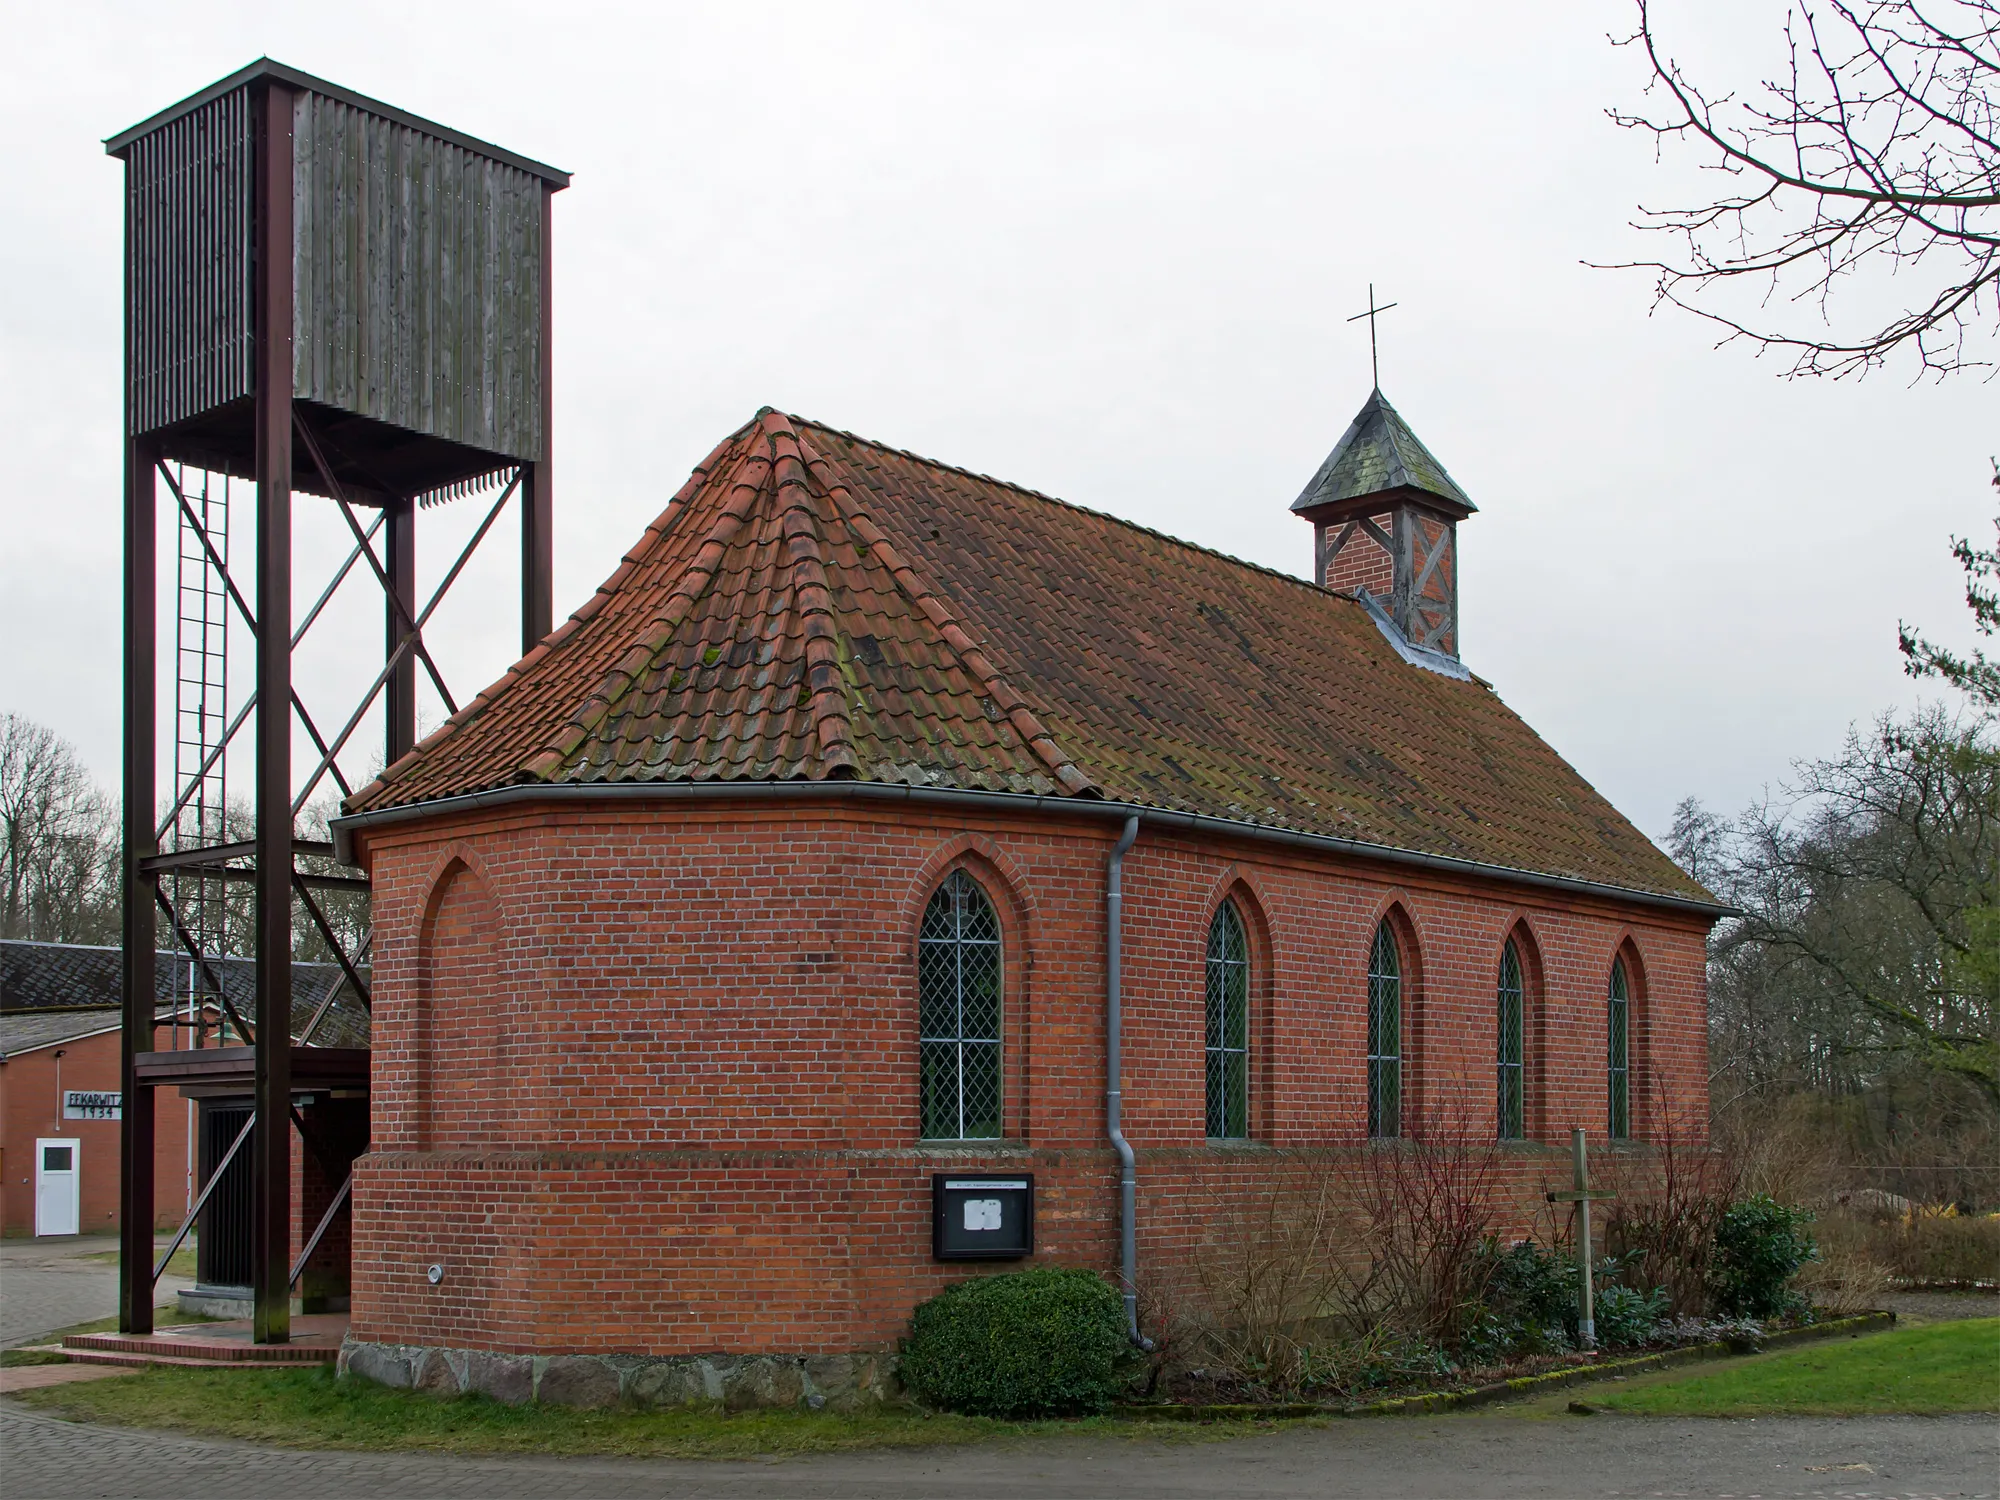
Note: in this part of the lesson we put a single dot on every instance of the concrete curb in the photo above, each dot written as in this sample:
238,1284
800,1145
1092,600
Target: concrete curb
1521,1388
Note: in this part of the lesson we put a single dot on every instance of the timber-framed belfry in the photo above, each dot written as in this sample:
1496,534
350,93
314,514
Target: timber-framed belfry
324,296
889,867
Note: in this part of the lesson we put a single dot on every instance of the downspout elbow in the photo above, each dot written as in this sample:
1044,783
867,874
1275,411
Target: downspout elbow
1128,1177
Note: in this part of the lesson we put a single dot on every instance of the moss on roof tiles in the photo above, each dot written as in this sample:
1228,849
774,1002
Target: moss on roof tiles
1121,662
1376,454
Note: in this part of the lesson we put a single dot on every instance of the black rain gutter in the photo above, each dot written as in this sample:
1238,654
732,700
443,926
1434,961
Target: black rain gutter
1012,802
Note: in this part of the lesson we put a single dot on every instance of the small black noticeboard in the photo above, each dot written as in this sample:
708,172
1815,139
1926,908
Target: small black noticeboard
982,1215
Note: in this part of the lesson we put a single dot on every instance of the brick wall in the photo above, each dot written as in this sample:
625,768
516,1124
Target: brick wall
30,1109
1363,562
645,1077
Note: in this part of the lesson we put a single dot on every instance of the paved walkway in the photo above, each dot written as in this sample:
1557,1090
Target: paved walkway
1496,1455
52,1283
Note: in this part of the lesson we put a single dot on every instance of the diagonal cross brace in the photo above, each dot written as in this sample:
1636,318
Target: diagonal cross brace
319,1012
194,952
403,647
325,1223
214,558
243,713
326,932
214,1181
389,589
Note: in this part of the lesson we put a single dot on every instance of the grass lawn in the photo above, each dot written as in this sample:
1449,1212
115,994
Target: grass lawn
1923,1371
309,1409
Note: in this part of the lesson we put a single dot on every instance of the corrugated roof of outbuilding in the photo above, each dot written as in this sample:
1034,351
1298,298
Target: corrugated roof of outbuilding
812,605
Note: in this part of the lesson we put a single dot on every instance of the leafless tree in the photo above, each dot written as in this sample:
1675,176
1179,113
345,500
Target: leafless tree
58,842
1869,946
1877,148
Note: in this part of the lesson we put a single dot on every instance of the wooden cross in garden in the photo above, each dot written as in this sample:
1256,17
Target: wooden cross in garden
1582,1196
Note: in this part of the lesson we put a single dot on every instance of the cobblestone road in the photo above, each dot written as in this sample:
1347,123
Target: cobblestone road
1471,1456
47,1284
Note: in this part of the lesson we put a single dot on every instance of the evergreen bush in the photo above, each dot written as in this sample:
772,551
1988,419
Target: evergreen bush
1049,1341
1760,1244
1627,1317
1529,1302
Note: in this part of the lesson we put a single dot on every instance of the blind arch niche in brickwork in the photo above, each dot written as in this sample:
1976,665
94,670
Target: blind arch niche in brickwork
463,1093
959,1003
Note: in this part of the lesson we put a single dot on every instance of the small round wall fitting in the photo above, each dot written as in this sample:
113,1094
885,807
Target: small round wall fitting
434,1275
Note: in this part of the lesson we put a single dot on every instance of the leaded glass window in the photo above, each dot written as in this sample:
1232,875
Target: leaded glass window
958,997
1385,1034
1619,1031
1228,1026
1512,1028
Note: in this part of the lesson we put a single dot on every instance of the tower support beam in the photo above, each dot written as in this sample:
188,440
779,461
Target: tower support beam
272,357
135,1117
538,477
400,613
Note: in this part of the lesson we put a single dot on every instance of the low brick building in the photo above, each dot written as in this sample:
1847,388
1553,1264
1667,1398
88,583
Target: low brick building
775,882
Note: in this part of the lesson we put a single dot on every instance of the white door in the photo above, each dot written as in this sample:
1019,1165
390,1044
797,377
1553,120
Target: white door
58,1191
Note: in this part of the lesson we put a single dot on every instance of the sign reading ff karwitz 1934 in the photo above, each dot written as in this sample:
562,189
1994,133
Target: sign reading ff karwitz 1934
92,1104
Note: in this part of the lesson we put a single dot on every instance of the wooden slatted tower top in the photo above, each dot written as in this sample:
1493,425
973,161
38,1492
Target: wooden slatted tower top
419,258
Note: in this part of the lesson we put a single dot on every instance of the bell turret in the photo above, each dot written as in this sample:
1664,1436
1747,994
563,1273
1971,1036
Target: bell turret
1385,520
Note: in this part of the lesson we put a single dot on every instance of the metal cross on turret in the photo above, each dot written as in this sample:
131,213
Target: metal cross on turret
1374,362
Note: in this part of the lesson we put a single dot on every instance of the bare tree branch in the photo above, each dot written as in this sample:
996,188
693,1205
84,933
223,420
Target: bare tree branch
58,840
1877,150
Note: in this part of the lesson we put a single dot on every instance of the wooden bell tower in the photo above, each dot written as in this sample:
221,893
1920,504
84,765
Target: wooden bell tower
324,296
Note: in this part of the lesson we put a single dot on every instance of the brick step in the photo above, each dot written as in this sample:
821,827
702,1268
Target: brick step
146,1361
111,1348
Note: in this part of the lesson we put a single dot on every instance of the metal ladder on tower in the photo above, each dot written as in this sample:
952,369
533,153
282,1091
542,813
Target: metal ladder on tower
201,693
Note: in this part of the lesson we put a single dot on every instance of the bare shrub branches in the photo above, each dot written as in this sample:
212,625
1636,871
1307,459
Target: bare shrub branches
1878,148
1340,1253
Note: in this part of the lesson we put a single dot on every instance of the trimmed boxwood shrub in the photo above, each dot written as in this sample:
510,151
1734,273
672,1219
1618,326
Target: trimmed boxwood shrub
1038,1343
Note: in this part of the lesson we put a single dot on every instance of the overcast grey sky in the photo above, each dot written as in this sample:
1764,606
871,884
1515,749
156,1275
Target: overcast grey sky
1106,251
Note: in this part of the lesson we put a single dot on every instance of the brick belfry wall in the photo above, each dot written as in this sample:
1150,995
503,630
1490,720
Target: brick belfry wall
1363,562
645,1075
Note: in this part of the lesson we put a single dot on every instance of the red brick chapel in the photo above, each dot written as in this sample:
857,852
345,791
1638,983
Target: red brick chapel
807,864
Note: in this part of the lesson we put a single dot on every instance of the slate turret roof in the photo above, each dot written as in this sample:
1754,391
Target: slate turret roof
815,606
1379,453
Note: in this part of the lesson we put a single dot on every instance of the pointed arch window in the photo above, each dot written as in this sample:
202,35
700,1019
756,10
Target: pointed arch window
1512,1048
1385,1034
1618,1031
1228,1026
958,989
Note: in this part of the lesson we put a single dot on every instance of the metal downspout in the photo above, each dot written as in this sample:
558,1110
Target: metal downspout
1128,1180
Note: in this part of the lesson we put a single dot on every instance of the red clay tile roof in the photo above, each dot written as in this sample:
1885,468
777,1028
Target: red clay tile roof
813,605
